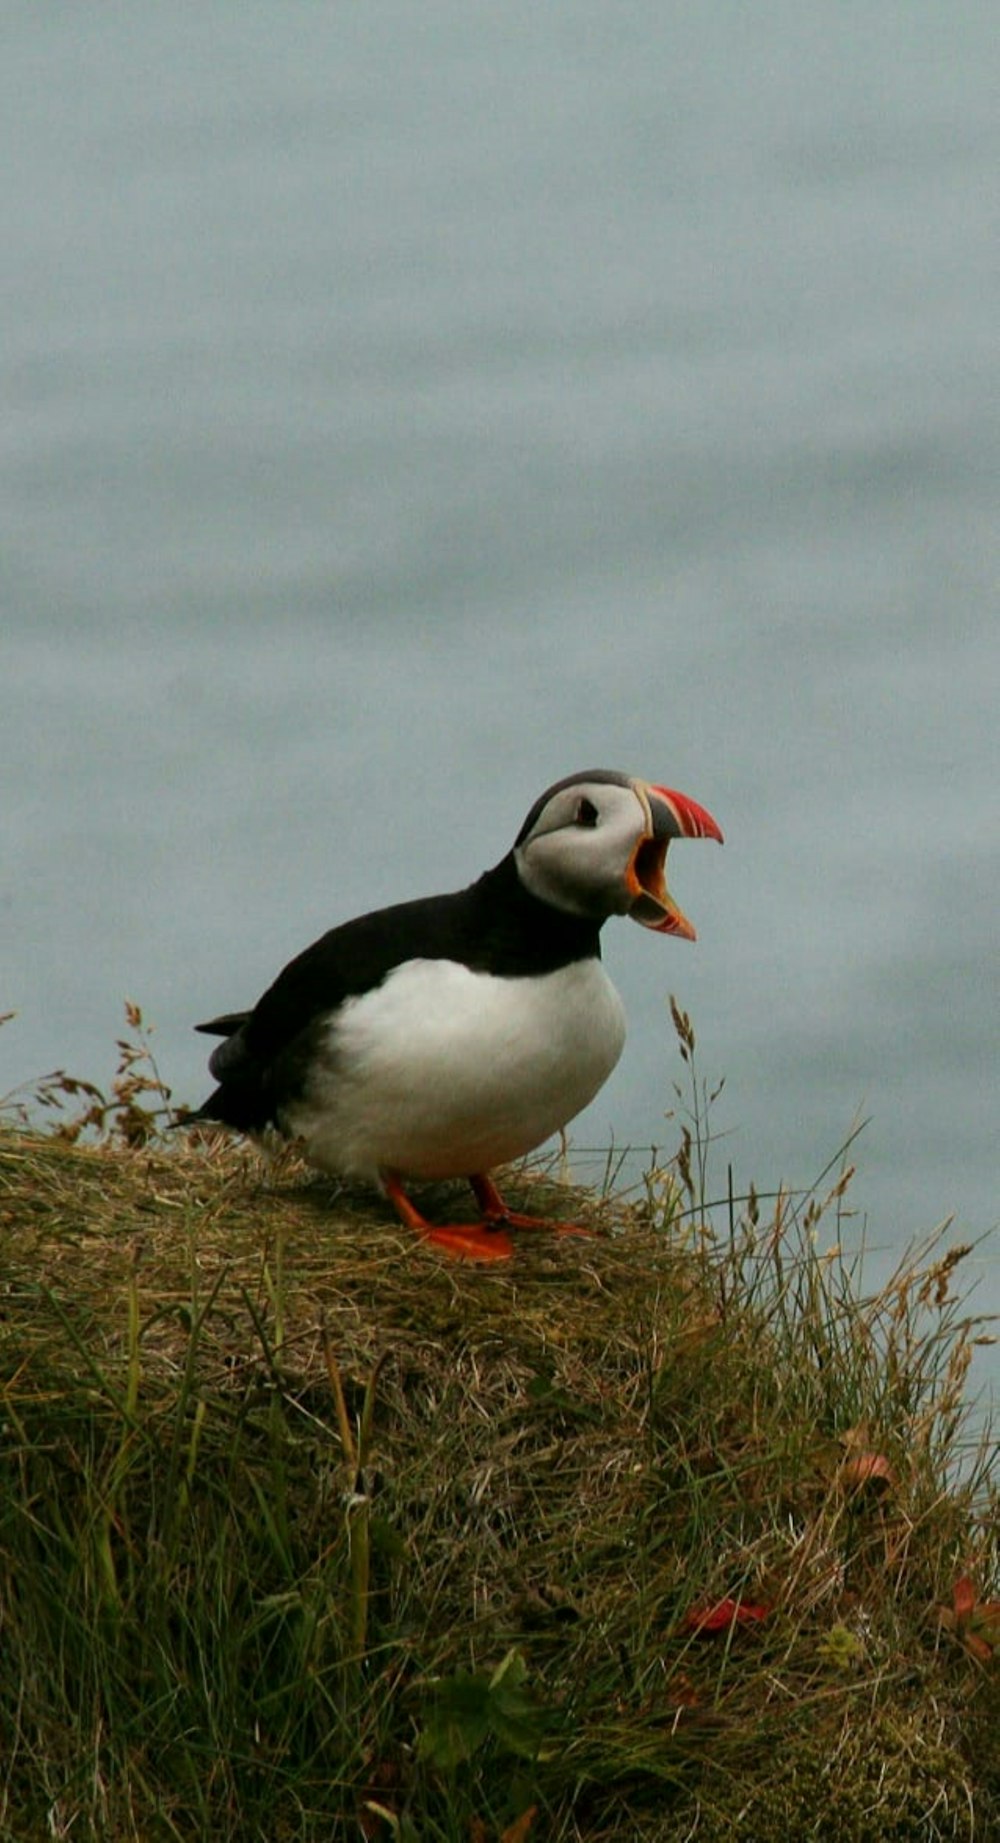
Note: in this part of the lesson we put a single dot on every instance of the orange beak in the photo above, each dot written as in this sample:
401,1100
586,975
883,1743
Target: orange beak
669,815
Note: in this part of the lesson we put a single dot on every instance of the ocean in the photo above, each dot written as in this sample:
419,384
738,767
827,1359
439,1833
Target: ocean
405,407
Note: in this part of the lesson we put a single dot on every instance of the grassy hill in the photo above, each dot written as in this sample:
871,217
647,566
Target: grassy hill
307,1532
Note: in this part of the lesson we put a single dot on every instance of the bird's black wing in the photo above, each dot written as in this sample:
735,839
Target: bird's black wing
263,1055
494,925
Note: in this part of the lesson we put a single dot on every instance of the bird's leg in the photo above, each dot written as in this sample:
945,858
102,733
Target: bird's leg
468,1241
496,1214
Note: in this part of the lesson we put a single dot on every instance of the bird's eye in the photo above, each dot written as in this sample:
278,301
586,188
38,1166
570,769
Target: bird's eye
586,814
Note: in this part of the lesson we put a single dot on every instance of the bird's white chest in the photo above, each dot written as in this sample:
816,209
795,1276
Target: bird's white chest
442,1071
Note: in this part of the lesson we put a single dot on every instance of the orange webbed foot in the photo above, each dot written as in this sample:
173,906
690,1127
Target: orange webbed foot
470,1241
464,1241
495,1211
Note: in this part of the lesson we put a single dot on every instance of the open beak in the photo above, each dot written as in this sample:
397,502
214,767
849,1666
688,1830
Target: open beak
669,815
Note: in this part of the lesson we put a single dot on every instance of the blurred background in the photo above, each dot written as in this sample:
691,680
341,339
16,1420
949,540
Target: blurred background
404,407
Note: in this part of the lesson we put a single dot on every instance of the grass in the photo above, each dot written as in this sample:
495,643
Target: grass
308,1533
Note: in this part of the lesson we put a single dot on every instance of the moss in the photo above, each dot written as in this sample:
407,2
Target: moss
892,1777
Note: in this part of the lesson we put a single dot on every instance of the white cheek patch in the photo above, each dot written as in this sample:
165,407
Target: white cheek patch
583,870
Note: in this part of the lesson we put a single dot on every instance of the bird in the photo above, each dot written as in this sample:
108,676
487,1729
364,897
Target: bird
442,1037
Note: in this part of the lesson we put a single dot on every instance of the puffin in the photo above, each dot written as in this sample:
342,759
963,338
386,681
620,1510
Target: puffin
441,1037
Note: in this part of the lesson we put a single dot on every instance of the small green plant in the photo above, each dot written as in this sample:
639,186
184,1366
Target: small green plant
464,1711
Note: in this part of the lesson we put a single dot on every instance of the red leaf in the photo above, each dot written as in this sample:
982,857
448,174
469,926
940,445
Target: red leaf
871,1469
963,1597
722,1615
518,1830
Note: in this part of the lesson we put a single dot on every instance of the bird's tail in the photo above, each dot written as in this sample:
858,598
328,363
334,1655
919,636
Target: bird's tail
226,1026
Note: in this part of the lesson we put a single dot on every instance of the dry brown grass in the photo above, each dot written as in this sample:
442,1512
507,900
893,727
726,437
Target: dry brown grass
306,1531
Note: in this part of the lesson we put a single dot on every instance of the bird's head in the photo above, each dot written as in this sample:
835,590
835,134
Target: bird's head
595,845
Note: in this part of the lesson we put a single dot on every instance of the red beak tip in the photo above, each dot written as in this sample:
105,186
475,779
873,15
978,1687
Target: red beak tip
673,926
695,821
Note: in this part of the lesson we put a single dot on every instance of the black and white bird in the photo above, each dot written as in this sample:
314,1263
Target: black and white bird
442,1037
